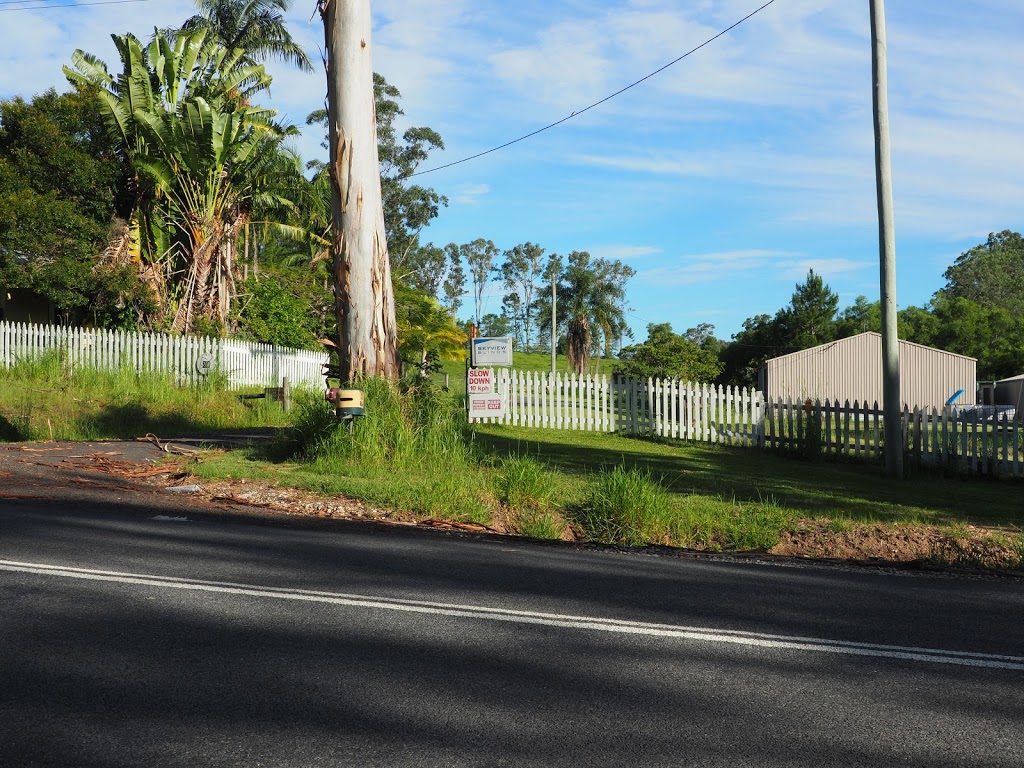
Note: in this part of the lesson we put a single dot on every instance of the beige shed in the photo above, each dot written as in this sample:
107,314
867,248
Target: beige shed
851,369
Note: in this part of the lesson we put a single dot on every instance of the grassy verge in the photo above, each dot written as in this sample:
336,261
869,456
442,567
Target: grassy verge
743,498
44,399
414,453
618,490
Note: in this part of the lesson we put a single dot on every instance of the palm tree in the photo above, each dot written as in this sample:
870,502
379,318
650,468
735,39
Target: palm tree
427,332
591,299
255,26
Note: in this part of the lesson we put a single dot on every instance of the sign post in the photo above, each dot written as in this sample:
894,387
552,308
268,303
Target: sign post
483,401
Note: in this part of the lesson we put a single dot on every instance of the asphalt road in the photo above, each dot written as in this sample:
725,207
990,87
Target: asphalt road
134,634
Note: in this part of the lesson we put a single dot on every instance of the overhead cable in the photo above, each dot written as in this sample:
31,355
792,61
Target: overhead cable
579,112
63,5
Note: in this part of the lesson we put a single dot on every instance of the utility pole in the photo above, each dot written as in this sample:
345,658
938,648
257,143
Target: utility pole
554,332
892,410
364,302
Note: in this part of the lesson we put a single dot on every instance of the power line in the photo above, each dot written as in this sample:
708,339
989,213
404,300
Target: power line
64,5
579,112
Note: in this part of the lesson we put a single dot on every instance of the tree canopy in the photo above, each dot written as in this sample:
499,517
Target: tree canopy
978,313
808,320
60,186
203,155
990,274
591,306
254,26
669,355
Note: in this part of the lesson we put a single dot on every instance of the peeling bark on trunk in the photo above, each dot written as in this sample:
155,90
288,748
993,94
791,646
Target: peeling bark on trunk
363,298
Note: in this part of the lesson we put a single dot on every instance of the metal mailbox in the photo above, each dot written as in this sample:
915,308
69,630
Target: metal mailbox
347,402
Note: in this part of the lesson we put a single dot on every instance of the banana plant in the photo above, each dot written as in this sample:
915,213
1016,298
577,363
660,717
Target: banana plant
203,155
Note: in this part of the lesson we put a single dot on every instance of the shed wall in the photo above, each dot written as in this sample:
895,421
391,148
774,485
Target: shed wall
851,369
1010,392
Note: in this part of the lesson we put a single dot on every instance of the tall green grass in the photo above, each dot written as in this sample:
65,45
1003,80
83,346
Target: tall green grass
48,397
530,492
405,426
412,449
626,506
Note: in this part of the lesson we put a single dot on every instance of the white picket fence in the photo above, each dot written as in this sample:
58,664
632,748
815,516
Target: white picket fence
969,440
972,440
186,358
666,408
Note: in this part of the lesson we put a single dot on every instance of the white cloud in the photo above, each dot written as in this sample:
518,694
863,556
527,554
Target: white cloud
471,194
753,263
712,267
797,269
623,252
417,47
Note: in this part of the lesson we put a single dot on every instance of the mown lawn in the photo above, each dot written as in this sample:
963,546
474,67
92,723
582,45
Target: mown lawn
695,473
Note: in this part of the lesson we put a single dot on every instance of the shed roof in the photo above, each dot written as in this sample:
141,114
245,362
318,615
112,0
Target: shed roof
874,333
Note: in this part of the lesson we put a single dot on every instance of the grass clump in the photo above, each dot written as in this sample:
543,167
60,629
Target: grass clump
626,506
523,481
408,427
528,489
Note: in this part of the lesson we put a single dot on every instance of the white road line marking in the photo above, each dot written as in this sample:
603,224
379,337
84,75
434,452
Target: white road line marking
736,637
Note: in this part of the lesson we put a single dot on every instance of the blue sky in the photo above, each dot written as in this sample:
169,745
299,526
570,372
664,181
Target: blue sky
721,180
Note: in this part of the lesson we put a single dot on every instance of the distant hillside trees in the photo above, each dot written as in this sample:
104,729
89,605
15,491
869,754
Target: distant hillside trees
978,313
667,355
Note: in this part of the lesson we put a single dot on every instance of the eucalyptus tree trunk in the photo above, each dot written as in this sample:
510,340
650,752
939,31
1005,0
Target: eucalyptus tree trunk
364,302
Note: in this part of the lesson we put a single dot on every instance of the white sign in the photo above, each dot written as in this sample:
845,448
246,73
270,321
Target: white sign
480,381
486,406
494,350
204,364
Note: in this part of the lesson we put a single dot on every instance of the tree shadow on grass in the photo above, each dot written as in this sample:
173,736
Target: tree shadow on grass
10,432
131,420
853,490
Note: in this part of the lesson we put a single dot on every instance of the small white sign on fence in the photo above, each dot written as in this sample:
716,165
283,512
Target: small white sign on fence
486,406
204,364
480,381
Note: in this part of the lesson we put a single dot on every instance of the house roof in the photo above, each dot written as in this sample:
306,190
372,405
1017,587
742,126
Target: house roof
1012,378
